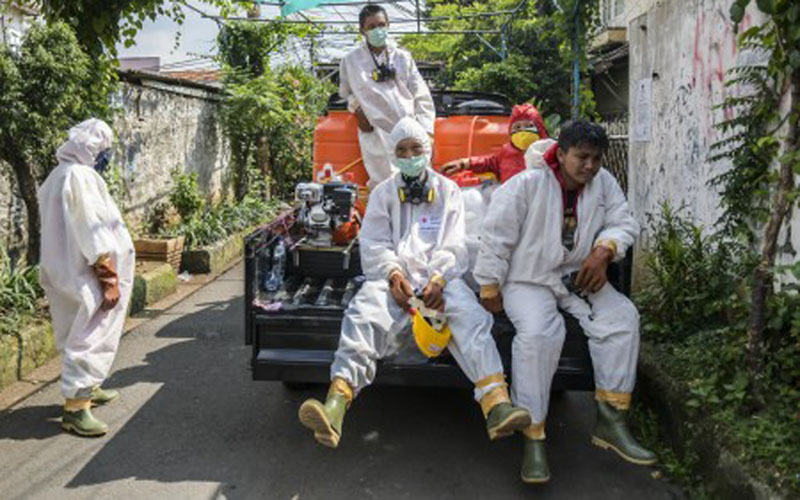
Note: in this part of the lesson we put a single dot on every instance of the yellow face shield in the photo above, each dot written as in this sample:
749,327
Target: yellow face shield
522,139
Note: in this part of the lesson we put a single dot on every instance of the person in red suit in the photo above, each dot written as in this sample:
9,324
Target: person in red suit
525,127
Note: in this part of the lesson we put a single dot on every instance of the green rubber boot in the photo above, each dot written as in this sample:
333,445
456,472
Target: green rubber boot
612,432
534,462
102,397
504,418
83,423
325,420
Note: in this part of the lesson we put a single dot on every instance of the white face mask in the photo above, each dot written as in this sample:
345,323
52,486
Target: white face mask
412,167
377,37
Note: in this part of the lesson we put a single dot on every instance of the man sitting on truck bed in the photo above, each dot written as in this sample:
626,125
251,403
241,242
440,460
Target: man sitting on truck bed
549,236
382,85
412,239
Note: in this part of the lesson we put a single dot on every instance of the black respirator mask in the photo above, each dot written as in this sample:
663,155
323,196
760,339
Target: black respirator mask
102,161
416,190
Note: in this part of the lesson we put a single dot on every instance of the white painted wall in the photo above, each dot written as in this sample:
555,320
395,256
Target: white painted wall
686,47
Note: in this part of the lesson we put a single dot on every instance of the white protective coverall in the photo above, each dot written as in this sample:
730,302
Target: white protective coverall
421,241
384,103
521,251
81,223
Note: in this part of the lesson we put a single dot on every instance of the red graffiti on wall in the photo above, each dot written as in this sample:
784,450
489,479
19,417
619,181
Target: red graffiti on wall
710,64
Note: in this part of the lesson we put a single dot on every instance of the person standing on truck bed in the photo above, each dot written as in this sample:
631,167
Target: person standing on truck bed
381,84
524,128
413,239
549,236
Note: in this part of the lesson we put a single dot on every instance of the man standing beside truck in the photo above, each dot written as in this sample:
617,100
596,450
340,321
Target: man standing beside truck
382,84
412,245
549,236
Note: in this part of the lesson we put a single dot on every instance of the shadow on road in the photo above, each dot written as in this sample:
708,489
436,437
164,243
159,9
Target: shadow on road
209,422
31,422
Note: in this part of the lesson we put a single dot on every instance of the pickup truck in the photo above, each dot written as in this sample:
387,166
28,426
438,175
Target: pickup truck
294,326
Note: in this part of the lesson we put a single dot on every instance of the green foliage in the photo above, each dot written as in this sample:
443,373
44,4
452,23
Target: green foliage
185,194
532,59
692,278
20,295
46,88
217,223
751,140
694,308
269,113
538,62
681,469
203,224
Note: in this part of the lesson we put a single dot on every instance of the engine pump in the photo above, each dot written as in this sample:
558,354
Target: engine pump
327,212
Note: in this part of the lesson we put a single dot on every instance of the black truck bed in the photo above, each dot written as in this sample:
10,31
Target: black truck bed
295,342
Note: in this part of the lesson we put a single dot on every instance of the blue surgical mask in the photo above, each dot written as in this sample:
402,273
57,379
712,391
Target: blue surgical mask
377,37
102,160
412,167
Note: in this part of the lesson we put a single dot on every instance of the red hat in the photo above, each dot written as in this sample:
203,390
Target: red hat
529,112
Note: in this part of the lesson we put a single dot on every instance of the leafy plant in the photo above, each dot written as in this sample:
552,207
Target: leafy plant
185,194
763,143
530,58
217,223
693,278
269,113
695,307
20,295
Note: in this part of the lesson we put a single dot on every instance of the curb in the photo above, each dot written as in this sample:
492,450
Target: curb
49,371
723,474
215,257
156,282
25,351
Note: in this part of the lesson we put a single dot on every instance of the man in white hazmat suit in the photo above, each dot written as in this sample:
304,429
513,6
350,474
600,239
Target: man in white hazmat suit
382,85
549,236
412,239
87,269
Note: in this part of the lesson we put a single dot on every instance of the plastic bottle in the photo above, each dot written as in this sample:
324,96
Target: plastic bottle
275,279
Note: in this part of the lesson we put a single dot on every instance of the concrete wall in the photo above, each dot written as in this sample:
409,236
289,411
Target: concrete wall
14,23
685,48
160,124
164,125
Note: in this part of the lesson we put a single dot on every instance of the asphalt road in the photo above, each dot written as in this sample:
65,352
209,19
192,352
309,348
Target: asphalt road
192,424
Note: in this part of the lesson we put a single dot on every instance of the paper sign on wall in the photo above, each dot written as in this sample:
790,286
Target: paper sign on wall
643,110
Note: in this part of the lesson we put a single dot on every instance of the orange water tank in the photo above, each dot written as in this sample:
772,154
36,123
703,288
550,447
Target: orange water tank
459,136
336,142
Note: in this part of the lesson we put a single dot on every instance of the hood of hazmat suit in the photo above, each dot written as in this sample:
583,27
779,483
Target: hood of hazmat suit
80,224
534,156
529,112
419,240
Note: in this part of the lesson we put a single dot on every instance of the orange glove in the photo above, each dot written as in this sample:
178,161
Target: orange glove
401,289
109,281
592,275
